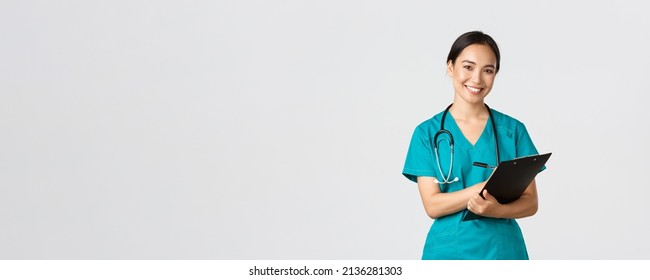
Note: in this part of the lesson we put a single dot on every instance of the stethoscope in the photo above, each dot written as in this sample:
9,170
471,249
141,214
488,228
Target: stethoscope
446,179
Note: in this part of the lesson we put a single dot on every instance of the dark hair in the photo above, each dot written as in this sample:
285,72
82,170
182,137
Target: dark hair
471,38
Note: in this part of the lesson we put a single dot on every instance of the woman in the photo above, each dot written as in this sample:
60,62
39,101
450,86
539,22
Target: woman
449,184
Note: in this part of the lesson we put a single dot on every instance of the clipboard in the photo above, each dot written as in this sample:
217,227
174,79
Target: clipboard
511,178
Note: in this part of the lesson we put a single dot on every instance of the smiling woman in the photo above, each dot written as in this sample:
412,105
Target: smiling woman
483,135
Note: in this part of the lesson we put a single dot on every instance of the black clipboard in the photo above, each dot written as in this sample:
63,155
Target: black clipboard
511,178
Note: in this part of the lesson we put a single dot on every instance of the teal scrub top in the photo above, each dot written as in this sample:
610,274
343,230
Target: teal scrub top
449,237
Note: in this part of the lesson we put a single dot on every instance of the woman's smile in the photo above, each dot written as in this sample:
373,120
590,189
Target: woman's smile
473,90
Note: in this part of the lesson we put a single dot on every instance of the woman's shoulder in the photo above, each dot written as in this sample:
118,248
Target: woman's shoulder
505,119
432,123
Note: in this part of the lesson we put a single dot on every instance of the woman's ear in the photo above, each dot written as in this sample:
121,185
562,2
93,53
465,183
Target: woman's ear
450,69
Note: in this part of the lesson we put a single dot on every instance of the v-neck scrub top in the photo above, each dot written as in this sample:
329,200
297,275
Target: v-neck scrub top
449,237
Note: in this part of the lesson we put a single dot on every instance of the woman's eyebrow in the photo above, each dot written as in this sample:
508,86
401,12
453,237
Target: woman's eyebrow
472,62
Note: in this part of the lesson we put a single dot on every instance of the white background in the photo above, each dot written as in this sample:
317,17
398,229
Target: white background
279,129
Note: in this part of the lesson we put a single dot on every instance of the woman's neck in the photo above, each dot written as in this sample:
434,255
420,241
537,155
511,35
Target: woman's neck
468,111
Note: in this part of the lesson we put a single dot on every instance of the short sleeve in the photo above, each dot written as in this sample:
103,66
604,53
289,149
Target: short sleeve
419,158
524,144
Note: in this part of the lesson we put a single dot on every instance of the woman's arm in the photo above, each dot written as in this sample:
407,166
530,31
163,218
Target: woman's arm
438,204
524,206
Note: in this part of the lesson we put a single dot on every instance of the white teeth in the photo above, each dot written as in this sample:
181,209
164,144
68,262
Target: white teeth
473,89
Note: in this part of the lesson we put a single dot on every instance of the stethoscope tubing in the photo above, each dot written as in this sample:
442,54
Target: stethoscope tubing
446,179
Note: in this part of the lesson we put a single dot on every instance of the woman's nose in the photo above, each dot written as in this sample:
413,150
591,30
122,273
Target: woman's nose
476,76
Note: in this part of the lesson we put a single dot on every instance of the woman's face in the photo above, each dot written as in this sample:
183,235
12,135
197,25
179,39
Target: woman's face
473,73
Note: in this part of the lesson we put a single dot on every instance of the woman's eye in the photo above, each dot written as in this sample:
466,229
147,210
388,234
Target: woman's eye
468,67
489,71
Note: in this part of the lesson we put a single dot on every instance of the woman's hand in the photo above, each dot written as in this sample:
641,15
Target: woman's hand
486,206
